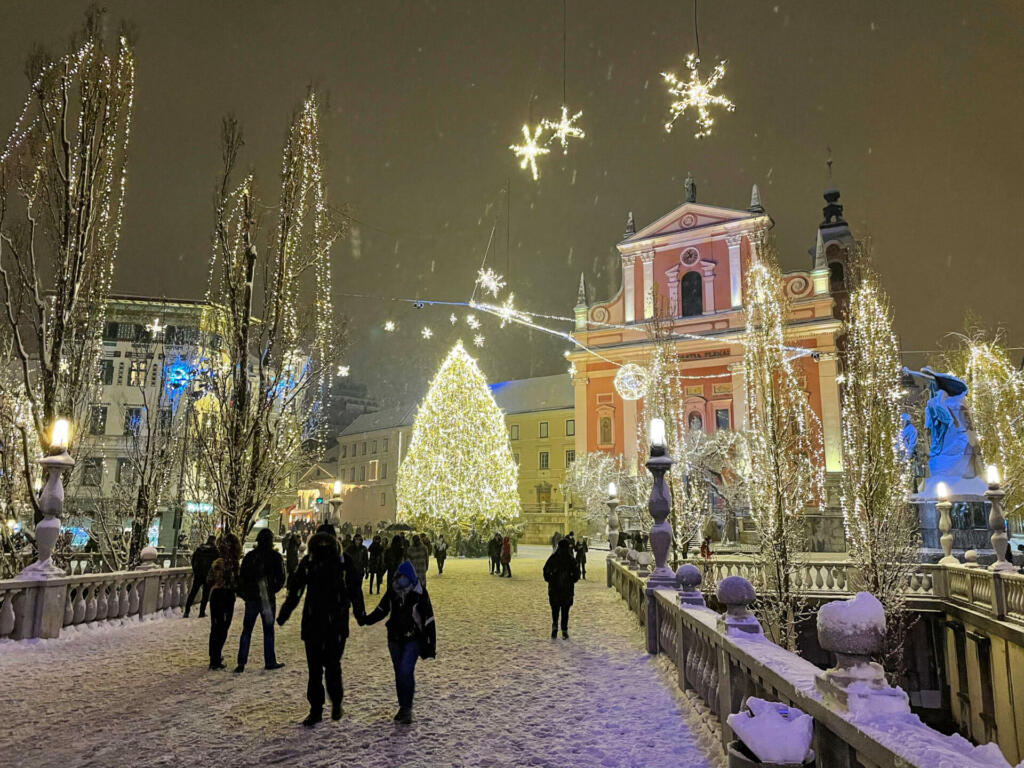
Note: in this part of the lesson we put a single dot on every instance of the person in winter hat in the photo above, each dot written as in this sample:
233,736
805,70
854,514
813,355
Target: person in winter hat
331,584
223,580
393,557
412,633
506,557
561,573
202,561
419,558
262,576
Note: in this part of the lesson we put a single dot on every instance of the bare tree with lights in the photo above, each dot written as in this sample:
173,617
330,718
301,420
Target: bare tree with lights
784,447
64,174
267,370
881,527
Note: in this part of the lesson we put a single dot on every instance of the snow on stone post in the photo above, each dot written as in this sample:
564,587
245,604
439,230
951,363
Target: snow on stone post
736,594
51,504
688,580
854,630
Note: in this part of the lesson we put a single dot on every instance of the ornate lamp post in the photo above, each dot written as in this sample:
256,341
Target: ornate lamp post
996,521
945,525
613,519
660,505
336,503
51,503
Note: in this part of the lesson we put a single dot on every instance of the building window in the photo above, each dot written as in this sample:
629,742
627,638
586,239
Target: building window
98,420
92,472
364,447
125,471
570,427
110,331
372,474
107,371
126,331
362,473
352,475
166,416
384,445
384,471
344,451
570,457
515,458
691,292
373,447
132,421
137,373
383,499
695,422
836,277
542,460
513,432
543,430
605,430
721,418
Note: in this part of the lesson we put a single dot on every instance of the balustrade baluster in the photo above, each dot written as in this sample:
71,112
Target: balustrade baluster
133,599
7,616
90,604
80,606
69,609
101,602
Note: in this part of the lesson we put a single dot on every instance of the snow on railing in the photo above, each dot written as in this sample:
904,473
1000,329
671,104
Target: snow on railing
42,608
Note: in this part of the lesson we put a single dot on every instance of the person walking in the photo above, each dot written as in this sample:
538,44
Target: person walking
359,554
506,557
331,585
440,553
494,552
291,553
223,579
412,633
561,573
261,577
419,558
555,538
202,560
393,557
581,556
375,562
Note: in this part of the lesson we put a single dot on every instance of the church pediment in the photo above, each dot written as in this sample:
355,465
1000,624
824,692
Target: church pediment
687,217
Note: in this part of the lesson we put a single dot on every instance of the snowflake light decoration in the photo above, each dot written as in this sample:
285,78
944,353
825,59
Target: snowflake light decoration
343,371
507,311
472,321
697,94
632,382
529,150
389,326
572,370
452,318
478,340
490,281
564,129
426,333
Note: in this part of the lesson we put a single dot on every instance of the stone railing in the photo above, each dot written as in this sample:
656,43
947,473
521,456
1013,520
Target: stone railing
41,609
720,660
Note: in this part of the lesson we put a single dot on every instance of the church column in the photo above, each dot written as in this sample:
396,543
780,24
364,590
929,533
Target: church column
735,272
648,262
739,396
579,413
830,422
708,278
629,413
628,290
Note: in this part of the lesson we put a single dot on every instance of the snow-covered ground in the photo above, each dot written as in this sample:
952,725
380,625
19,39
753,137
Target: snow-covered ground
500,693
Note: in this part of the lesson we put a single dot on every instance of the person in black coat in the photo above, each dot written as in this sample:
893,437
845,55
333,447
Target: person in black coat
440,553
375,562
202,559
393,557
494,552
561,573
581,556
291,553
331,584
412,634
261,578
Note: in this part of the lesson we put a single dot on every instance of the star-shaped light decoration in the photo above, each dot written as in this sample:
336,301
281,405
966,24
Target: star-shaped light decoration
572,369
479,339
343,371
697,94
490,281
507,311
452,318
155,329
426,333
564,129
389,326
529,150
472,321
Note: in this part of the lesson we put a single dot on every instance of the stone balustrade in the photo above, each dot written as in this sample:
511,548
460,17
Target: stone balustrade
41,609
721,659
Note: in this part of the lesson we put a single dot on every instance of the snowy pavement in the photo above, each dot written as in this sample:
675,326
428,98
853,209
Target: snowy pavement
500,693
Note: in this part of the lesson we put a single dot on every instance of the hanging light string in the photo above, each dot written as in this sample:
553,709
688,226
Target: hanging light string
696,29
564,12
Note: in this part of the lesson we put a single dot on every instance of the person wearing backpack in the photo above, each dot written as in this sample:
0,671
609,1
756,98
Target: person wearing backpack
262,576
561,572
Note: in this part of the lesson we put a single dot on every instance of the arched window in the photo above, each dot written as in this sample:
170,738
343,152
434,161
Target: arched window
695,422
606,430
836,277
691,293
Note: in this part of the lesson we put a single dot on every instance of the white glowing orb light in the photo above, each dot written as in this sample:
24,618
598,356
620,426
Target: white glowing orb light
632,382
696,93
343,371
426,333
564,129
529,150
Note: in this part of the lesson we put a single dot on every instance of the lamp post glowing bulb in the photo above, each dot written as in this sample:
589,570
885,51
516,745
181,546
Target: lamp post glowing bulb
992,475
60,434
657,432
337,487
942,491
611,490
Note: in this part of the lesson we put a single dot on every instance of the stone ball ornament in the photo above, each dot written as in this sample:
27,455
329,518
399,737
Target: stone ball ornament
632,382
688,577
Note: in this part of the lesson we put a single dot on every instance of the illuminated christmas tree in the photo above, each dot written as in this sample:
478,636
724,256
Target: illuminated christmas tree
459,474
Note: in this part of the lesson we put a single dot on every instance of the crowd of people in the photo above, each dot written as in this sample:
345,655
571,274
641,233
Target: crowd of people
329,572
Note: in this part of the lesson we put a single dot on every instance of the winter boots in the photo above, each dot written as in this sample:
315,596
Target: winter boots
335,710
403,716
554,631
314,717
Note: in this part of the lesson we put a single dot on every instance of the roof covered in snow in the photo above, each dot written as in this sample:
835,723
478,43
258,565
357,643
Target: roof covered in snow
390,418
541,393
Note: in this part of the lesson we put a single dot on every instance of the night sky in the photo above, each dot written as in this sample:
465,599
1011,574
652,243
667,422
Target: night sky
921,103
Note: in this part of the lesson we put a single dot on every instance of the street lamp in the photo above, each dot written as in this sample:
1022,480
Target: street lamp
659,505
336,502
51,503
613,519
996,521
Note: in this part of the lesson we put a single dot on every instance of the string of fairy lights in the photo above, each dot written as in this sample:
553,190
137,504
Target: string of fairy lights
692,94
